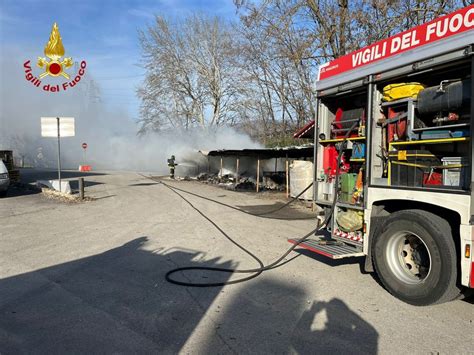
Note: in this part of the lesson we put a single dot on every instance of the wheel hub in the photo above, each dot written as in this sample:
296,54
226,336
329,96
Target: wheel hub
408,257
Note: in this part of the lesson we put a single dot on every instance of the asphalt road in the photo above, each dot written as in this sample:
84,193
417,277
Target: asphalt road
89,277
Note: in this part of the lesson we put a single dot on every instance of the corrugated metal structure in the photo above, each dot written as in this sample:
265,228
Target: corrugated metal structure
264,153
286,153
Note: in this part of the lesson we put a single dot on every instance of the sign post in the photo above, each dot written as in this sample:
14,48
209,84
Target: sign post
58,127
59,153
84,147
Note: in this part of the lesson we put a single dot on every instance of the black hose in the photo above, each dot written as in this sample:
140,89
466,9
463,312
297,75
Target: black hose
215,284
256,271
261,215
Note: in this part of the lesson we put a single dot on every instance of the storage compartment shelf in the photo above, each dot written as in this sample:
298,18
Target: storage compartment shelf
337,140
322,202
447,127
431,141
397,102
350,206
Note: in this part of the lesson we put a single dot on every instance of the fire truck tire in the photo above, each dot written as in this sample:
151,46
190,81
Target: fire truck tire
415,258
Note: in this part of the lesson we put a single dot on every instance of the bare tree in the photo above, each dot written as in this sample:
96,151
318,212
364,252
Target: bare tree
191,78
276,53
377,19
286,41
260,74
334,28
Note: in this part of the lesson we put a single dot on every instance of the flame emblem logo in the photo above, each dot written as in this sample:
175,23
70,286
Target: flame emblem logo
54,50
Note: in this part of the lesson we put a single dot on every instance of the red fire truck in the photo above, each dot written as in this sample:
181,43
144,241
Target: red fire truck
394,123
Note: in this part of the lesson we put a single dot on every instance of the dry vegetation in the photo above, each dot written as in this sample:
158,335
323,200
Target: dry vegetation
63,197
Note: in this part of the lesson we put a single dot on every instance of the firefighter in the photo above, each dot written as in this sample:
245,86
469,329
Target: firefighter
172,165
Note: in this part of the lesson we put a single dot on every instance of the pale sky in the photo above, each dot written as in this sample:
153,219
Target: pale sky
104,33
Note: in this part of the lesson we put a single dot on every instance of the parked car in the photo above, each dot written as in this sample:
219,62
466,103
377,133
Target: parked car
4,179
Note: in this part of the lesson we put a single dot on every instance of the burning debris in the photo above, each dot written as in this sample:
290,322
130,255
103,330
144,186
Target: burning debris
274,181
248,169
266,169
243,183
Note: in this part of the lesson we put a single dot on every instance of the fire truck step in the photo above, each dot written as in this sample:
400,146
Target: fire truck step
335,251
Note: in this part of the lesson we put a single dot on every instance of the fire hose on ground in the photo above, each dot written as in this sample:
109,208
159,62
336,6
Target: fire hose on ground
261,215
255,271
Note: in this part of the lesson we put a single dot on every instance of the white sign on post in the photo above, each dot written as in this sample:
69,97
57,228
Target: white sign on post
57,127
49,127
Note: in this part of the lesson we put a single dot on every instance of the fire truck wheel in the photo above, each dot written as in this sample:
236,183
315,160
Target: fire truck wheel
415,258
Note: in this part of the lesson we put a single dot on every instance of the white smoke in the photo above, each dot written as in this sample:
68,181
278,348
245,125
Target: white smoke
109,132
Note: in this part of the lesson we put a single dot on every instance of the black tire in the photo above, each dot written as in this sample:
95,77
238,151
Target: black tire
415,258
3,193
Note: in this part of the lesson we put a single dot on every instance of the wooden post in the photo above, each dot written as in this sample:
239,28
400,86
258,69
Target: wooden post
287,177
237,169
258,173
81,188
222,166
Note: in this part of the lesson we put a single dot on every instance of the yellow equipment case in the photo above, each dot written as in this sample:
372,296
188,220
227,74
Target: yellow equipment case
398,91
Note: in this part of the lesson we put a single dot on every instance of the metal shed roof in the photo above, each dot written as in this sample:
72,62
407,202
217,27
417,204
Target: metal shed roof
306,132
264,153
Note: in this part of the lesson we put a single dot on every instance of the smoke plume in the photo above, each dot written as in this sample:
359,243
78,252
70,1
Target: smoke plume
109,132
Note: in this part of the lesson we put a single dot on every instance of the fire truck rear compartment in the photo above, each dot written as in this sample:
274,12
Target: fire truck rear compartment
424,141
419,142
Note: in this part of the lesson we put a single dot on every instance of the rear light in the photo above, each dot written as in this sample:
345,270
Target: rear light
467,251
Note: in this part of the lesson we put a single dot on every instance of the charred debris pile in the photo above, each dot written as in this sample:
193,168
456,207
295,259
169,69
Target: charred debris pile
249,169
271,181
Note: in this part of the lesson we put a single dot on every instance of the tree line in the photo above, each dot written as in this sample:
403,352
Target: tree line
258,73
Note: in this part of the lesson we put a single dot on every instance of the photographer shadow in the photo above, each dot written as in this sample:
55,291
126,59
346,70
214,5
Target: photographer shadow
331,327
